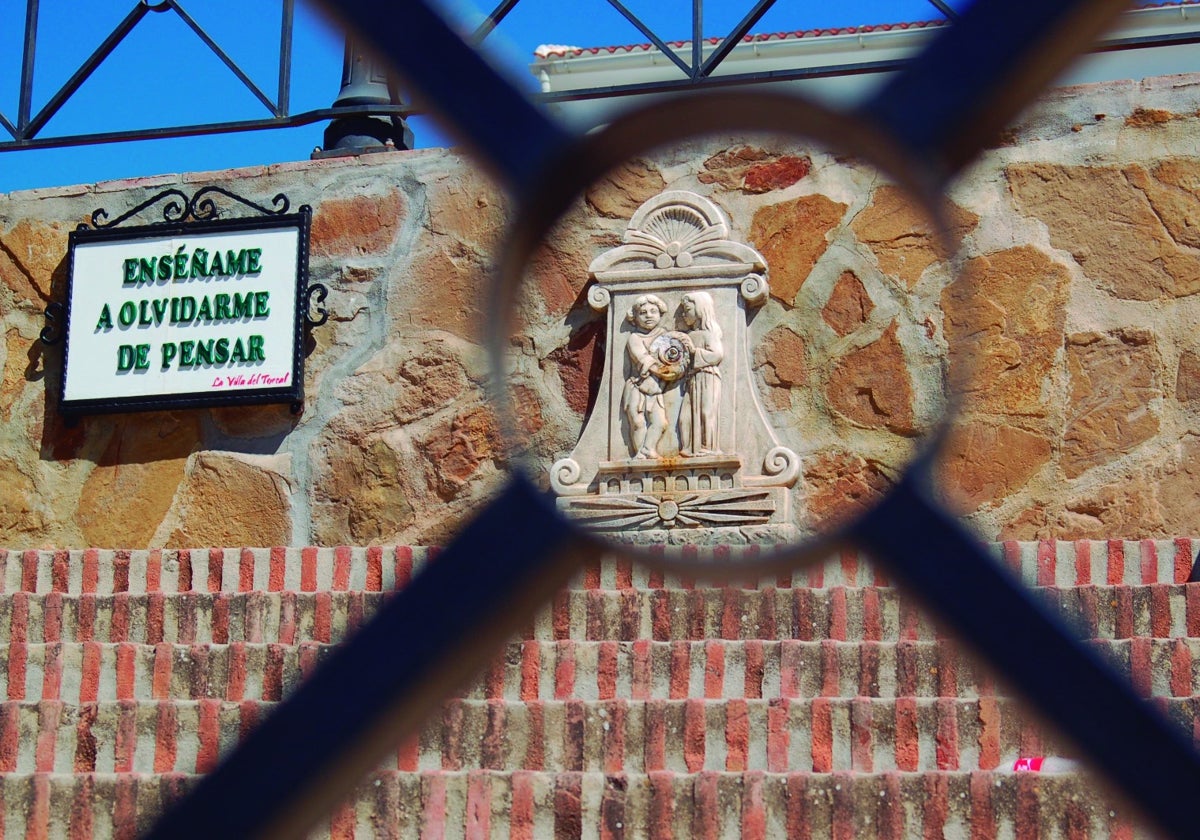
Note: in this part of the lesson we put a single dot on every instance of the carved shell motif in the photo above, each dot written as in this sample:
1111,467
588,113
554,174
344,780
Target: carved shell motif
671,231
674,236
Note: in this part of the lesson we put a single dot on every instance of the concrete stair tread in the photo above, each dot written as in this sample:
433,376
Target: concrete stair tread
839,613
589,670
534,804
813,734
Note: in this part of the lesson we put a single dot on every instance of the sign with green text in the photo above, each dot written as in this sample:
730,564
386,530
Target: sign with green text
186,315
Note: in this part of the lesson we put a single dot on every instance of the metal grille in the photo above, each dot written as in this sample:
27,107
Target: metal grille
942,108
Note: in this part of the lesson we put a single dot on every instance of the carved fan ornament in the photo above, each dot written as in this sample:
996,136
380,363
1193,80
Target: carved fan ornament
678,448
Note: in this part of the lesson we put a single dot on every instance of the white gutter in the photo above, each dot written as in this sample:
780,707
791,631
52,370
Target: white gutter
848,54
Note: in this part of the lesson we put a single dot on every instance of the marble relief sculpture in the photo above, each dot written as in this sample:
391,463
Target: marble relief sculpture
678,448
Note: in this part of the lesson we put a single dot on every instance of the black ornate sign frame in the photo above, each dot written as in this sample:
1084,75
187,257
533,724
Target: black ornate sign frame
184,216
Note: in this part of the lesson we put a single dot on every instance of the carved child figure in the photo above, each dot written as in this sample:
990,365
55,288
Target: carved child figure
698,420
645,398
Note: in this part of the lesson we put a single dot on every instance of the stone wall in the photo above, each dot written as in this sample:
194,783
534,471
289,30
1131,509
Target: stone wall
1078,300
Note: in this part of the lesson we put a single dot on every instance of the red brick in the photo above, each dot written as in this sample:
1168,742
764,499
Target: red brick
862,742
1116,562
433,800
1181,669
341,568
642,674
184,559
706,801
341,821
52,616
779,735
49,712
408,754
1083,562
374,582
799,807
535,748
493,747
947,734
907,743
277,569
91,570
89,676
714,670
59,570
983,820
1045,563
1184,556
989,733
156,605
235,679
737,735
160,686
661,817
208,752
216,569
568,805
564,670
695,732
614,736
531,665
126,654
403,566
830,682
308,569
1140,665
322,630
936,806
838,619
479,806
18,655
29,570
1149,551
822,736
754,809
82,802
520,817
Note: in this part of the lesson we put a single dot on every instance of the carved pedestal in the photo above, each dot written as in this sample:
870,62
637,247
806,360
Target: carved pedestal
678,448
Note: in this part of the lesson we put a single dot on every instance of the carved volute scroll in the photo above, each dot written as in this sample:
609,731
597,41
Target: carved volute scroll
678,448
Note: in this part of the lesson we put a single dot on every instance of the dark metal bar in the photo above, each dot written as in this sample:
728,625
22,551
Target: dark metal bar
945,9
506,132
697,38
235,127
1031,647
7,126
85,70
285,58
380,685
492,21
27,64
735,37
225,59
977,75
654,39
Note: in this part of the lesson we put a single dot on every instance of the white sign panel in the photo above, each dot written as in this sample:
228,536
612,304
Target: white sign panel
197,314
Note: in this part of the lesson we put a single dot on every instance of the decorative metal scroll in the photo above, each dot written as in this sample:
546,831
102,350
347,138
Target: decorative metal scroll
200,207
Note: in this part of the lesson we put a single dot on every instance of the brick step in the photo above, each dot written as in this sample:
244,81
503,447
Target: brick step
815,734
839,613
525,805
383,568
83,672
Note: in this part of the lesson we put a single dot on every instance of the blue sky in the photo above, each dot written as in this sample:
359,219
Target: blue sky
163,74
